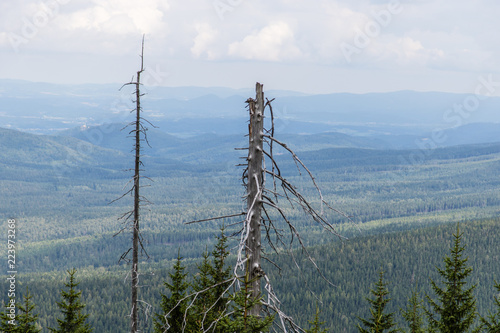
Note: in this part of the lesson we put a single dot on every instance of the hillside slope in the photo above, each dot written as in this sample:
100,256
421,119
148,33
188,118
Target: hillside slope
408,258
65,213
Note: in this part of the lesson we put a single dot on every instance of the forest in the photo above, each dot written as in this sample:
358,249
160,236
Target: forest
408,259
398,219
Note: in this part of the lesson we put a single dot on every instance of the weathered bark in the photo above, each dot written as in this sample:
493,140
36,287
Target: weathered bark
254,193
135,234
257,218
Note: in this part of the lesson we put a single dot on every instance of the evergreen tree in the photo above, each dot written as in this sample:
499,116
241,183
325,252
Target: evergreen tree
454,311
202,283
26,319
315,325
492,323
213,280
71,308
380,321
220,273
173,311
7,325
240,321
413,315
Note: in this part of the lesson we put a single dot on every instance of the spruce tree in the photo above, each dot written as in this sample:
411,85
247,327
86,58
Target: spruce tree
379,321
173,309
7,324
413,315
240,320
73,320
221,275
454,310
315,325
214,280
26,319
491,324
202,283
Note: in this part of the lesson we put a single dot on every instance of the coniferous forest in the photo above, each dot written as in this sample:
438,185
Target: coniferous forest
409,260
157,185
387,247
415,250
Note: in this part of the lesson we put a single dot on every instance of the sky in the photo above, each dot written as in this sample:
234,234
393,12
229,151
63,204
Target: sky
315,46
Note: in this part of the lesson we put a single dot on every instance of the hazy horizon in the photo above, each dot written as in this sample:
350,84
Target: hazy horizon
332,46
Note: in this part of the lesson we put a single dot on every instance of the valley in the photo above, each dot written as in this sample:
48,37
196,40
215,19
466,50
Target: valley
401,196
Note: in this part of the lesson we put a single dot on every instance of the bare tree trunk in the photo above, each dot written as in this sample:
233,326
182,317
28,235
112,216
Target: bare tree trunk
254,193
257,218
135,234
132,217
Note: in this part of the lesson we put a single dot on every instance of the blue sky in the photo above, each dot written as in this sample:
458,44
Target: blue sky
311,46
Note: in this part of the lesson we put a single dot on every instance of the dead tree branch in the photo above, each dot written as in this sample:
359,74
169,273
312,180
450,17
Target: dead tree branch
260,200
131,219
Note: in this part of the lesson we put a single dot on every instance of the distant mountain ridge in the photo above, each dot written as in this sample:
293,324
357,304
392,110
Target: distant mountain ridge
186,111
109,146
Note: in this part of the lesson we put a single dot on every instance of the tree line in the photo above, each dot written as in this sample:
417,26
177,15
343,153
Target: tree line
452,308
187,301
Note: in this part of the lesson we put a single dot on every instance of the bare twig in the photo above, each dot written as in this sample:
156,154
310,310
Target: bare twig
215,218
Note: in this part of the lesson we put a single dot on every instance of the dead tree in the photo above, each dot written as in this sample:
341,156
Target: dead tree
130,219
260,199
255,174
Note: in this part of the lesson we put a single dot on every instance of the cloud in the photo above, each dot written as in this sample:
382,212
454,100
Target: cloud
203,40
452,35
118,16
274,42
401,51
328,25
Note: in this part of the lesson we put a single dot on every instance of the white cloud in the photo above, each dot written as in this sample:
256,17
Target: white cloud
328,26
452,35
403,51
203,41
274,42
118,16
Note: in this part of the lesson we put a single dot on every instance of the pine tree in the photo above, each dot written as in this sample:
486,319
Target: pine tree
202,284
241,321
315,325
492,323
380,321
26,319
7,324
71,308
221,275
173,316
412,314
454,311
214,280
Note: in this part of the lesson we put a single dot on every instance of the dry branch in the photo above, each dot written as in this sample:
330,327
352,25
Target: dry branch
259,200
131,219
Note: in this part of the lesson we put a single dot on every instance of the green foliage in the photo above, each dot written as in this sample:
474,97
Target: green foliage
491,324
239,320
173,315
71,307
348,265
454,311
369,185
221,272
26,319
413,314
212,282
203,303
379,321
7,324
315,325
